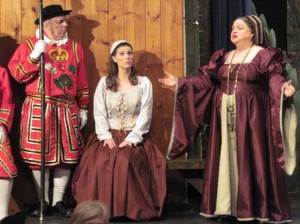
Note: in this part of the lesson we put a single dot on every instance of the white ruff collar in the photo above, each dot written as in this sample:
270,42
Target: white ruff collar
53,42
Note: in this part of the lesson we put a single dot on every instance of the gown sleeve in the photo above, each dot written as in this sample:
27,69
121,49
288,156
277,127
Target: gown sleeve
192,100
283,113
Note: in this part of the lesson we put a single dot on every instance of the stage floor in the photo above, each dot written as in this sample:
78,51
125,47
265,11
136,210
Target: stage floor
186,217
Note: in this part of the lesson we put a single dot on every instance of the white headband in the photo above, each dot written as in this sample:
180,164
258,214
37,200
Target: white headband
116,44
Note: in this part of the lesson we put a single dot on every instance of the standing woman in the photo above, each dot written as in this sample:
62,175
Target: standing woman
8,169
121,165
248,149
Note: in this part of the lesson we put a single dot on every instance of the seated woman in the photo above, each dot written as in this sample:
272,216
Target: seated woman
121,165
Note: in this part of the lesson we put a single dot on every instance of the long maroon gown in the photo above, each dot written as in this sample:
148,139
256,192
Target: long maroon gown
130,181
260,192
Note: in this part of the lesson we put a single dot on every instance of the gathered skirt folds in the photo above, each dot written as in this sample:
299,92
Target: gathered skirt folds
131,181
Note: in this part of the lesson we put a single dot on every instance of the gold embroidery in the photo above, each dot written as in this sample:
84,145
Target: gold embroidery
59,54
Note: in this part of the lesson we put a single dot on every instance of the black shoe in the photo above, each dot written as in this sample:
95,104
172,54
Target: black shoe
46,208
8,220
17,218
60,210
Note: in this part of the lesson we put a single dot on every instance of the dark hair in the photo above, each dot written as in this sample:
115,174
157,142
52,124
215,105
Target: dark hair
112,71
248,23
256,26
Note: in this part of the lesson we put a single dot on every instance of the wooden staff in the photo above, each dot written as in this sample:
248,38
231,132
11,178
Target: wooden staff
42,73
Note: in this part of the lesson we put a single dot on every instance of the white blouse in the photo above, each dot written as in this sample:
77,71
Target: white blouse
131,110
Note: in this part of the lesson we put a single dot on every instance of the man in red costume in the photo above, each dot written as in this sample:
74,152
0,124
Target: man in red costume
8,168
66,94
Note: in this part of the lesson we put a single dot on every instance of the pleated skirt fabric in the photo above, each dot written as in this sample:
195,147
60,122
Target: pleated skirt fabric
131,181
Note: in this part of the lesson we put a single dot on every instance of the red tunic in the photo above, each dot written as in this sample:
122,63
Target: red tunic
7,165
261,192
66,92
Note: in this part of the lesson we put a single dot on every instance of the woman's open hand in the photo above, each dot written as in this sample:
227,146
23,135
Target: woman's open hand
125,143
288,89
168,81
110,143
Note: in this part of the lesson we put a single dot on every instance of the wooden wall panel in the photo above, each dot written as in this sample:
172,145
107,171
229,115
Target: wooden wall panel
95,41
135,24
172,53
154,67
10,29
96,23
11,18
154,28
28,16
48,2
75,19
116,20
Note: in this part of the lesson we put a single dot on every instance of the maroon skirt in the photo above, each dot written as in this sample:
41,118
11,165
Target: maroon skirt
131,181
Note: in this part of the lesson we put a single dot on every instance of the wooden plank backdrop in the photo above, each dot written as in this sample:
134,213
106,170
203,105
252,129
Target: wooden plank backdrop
153,27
